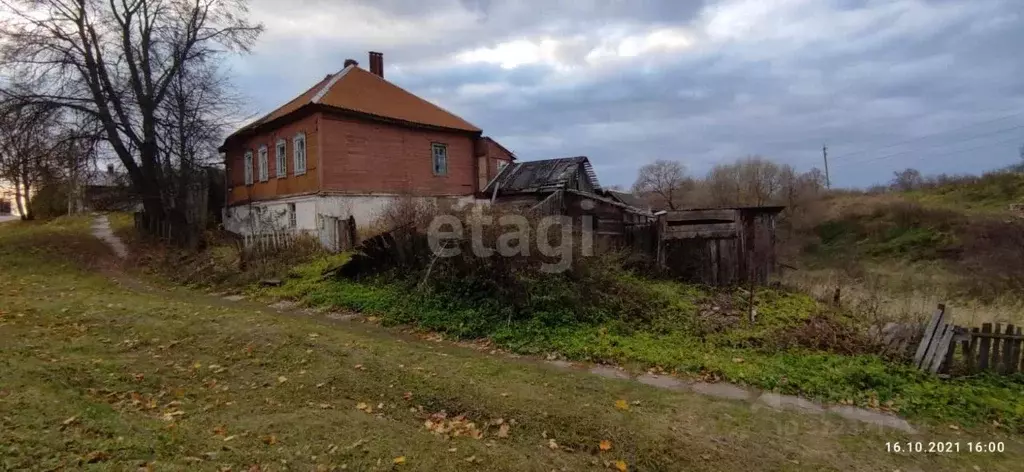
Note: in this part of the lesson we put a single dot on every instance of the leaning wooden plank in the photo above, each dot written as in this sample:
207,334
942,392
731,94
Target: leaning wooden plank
929,356
984,346
929,332
943,347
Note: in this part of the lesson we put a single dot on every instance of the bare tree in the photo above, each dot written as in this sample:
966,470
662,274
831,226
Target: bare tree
41,144
119,62
665,180
907,180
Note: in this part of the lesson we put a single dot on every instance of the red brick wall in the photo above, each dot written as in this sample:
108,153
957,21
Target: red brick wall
275,187
364,157
495,154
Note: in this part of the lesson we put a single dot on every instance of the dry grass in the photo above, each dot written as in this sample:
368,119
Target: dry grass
104,377
904,292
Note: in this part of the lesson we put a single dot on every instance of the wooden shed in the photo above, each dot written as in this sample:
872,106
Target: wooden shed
569,186
724,246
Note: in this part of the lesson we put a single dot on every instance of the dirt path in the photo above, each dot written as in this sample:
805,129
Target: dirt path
719,390
101,229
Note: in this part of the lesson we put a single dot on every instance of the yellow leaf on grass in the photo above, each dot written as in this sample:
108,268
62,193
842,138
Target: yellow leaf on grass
621,466
270,440
399,460
605,445
552,444
621,404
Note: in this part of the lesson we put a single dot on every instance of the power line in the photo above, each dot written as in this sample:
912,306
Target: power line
930,135
902,153
952,151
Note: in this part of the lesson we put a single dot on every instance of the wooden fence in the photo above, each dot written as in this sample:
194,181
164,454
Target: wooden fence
995,348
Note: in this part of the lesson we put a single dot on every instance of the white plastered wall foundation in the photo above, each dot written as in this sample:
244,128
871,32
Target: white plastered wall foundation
274,215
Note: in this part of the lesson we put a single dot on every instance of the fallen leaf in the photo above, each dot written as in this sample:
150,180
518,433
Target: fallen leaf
503,431
605,445
621,466
220,430
96,456
399,460
552,444
282,379
270,440
407,395
621,405
358,367
69,421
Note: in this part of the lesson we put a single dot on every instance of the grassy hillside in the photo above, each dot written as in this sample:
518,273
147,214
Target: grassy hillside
903,252
993,192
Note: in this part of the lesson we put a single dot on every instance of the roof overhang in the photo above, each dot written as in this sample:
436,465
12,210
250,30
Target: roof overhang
311,108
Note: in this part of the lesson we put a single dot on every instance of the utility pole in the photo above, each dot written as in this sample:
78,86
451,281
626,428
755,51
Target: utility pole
824,155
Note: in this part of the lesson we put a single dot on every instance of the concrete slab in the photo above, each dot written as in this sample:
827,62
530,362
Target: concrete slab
723,390
343,316
873,417
662,381
284,305
560,364
609,372
789,402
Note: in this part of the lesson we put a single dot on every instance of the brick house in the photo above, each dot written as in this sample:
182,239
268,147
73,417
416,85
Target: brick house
348,146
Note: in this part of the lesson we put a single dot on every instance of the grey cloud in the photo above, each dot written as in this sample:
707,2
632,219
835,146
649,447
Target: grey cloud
860,89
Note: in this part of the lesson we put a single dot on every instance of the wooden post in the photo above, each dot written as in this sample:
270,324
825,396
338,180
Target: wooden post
1015,359
1008,350
973,365
984,346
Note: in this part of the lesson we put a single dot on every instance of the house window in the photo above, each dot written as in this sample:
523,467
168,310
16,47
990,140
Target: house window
282,159
299,145
440,153
502,165
247,167
291,216
264,169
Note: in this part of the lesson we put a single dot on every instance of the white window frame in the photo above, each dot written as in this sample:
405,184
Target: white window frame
292,217
299,153
247,167
281,156
264,164
434,154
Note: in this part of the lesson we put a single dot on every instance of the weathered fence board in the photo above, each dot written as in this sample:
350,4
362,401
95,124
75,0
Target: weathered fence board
984,346
929,333
1007,358
942,349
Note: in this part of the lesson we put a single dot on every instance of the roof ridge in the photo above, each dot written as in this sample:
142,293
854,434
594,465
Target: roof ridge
330,84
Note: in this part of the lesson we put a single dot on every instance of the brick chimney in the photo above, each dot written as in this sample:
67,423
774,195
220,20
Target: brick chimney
351,62
377,63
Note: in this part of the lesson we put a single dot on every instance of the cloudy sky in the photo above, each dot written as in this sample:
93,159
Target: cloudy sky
937,84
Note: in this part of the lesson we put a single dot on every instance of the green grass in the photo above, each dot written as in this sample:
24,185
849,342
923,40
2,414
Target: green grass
99,374
675,343
993,192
